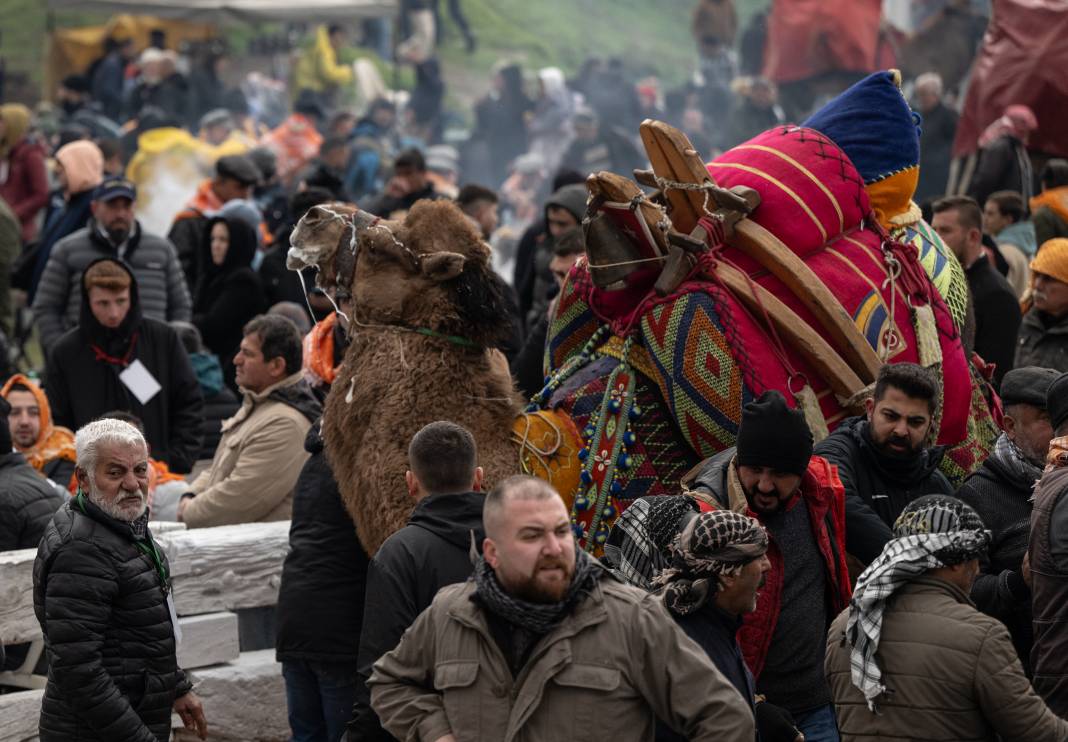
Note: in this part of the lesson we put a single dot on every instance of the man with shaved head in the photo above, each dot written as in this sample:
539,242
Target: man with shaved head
539,636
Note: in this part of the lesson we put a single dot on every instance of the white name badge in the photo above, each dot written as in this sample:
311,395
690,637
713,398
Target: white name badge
174,618
140,381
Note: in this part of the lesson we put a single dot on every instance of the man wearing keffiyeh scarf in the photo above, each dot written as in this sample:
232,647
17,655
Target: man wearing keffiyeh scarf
934,532
912,658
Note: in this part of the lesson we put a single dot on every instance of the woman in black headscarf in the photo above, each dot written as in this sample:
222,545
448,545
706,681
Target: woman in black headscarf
228,293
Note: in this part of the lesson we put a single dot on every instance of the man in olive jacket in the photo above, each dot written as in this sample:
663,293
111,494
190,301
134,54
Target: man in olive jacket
101,591
544,644
912,658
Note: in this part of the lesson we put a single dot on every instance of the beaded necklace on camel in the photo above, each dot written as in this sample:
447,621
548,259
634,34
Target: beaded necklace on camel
606,437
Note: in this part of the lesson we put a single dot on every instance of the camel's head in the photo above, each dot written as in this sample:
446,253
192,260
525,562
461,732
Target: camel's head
430,270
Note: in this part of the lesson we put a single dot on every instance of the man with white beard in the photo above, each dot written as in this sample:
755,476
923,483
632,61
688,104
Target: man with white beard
102,594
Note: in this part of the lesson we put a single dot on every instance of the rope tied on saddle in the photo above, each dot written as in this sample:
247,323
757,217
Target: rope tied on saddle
805,396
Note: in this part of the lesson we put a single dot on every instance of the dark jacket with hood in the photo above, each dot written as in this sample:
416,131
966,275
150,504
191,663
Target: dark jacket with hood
1001,494
61,219
433,550
537,287
152,259
91,357
227,296
876,482
320,603
101,601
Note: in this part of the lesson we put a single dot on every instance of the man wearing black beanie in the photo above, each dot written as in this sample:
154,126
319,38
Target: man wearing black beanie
772,476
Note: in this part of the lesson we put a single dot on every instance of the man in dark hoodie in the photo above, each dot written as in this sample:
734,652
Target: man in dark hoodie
320,603
432,551
535,283
113,232
129,362
882,457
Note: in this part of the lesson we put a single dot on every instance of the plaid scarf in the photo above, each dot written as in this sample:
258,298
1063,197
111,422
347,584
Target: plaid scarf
535,619
637,546
712,544
934,531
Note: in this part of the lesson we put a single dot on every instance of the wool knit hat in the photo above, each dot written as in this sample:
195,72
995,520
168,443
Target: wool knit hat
773,435
1052,259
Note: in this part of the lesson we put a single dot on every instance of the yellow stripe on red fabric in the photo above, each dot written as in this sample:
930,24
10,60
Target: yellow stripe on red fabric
808,174
782,186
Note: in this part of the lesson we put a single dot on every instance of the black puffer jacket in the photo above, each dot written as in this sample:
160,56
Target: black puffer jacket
430,552
112,671
27,503
1003,500
875,482
320,603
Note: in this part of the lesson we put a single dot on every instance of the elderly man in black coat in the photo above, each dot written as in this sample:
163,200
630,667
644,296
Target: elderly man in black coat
1000,491
102,594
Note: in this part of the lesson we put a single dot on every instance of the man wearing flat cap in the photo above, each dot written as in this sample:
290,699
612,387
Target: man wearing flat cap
1000,491
1048,555
773,477
112,232
912,659
235,175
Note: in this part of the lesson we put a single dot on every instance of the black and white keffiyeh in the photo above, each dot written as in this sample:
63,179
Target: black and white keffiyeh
637,546
933,531
712,545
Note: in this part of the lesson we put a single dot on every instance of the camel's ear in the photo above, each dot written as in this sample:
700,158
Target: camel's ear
441,266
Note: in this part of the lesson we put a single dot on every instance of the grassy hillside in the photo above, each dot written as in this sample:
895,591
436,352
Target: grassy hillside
652,35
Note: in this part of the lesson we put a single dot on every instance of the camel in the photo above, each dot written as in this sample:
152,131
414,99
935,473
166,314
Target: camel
426,306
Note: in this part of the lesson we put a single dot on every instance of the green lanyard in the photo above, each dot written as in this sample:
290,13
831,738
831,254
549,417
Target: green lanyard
149,549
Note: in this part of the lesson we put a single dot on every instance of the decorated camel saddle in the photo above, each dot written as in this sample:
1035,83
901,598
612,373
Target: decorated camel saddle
795,261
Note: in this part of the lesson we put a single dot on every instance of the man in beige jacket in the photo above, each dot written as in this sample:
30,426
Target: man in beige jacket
260,455
913,659
543,643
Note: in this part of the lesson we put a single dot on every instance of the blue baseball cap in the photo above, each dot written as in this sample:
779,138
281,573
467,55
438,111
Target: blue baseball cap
115,186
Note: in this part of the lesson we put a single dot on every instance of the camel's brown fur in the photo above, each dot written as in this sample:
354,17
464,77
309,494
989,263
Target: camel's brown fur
430,271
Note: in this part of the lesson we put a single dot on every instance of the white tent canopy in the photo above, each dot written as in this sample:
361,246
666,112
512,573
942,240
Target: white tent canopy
222,11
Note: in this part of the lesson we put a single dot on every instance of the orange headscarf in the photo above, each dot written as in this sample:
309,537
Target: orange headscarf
54,441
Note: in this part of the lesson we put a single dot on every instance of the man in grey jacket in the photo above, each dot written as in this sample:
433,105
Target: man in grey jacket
545,644
113,232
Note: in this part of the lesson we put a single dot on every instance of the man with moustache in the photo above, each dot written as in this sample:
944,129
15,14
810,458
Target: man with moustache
773,477
545,644
1001,492
883,456
113,232
718,563
102,594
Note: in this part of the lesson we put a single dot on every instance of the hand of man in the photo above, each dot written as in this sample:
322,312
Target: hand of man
182,502
191,711
446,738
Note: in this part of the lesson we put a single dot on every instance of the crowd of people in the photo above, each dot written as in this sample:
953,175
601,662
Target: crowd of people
792,590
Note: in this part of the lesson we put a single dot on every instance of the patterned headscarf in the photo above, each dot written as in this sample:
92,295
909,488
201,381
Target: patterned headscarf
933,531
711,545
637,546
1058,454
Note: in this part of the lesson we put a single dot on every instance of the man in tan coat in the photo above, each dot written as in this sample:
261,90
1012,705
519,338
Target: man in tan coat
912,658
544,644
260,455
